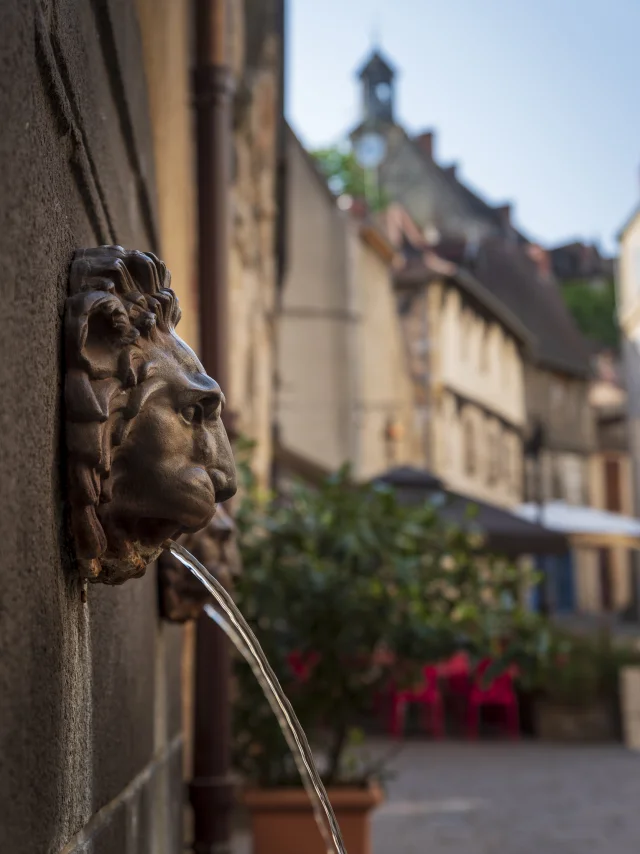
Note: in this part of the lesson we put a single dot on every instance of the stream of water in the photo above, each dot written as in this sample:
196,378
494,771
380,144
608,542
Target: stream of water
228,617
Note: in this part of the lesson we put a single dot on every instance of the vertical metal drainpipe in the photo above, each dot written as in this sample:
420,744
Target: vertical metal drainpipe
211,790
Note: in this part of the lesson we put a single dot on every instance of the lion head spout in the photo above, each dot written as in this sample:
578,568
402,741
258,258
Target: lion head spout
148,455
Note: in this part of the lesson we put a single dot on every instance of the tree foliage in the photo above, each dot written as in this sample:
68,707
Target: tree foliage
345,176
594,310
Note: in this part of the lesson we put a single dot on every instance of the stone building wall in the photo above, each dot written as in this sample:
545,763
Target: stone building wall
257,58
90,723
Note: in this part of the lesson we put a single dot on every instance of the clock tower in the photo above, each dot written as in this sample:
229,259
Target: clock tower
377,80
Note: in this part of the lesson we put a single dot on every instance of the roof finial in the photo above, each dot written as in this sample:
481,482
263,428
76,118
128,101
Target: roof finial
375,28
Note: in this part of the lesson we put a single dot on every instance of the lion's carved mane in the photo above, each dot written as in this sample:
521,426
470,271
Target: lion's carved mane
120,305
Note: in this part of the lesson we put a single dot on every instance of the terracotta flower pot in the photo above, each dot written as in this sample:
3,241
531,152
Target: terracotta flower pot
282,819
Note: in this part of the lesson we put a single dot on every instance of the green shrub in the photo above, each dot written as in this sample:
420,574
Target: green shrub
351,580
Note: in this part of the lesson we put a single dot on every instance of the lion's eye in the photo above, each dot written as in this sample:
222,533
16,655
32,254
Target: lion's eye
211,408
188,413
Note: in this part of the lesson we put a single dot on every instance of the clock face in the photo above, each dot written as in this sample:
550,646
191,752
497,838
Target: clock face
383,92
370,150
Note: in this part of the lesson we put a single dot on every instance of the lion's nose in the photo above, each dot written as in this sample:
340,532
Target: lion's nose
224,484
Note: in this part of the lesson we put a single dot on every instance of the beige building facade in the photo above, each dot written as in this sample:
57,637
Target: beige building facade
628,301
466,361
478,385
471,371
344,390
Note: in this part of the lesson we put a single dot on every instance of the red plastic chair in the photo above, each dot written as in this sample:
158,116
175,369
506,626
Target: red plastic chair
457,673
499,693
428,695
456,676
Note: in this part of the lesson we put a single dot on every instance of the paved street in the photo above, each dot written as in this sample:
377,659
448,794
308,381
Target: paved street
522,799
495,798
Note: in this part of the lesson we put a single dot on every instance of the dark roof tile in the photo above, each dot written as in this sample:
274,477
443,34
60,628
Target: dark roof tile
506,271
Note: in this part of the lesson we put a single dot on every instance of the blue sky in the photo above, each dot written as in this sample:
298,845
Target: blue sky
538,102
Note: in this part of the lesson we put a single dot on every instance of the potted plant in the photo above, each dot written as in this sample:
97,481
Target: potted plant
342,584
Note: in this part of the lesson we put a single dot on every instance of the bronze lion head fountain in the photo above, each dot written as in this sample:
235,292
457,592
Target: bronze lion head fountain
148,454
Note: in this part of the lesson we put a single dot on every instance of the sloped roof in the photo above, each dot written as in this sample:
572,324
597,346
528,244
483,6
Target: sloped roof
506,271
472,201
503,531
478,205
376,62
418,271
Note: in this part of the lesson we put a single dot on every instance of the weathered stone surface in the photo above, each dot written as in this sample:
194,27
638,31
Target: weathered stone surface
256,57
76,681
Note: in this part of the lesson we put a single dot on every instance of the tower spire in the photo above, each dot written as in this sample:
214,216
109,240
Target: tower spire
377,82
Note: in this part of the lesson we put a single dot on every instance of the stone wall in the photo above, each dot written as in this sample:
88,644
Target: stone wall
257,57
90,723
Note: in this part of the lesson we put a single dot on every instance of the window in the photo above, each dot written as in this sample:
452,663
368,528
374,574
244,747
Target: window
557,393
484,350
448,420
515,467
506,360
421,346
405,302
613,498
506,459
493,452
465,332
383,92
469,450
572,475
606,579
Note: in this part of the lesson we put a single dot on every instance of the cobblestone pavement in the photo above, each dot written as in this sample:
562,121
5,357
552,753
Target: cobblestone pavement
514,799
528,798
